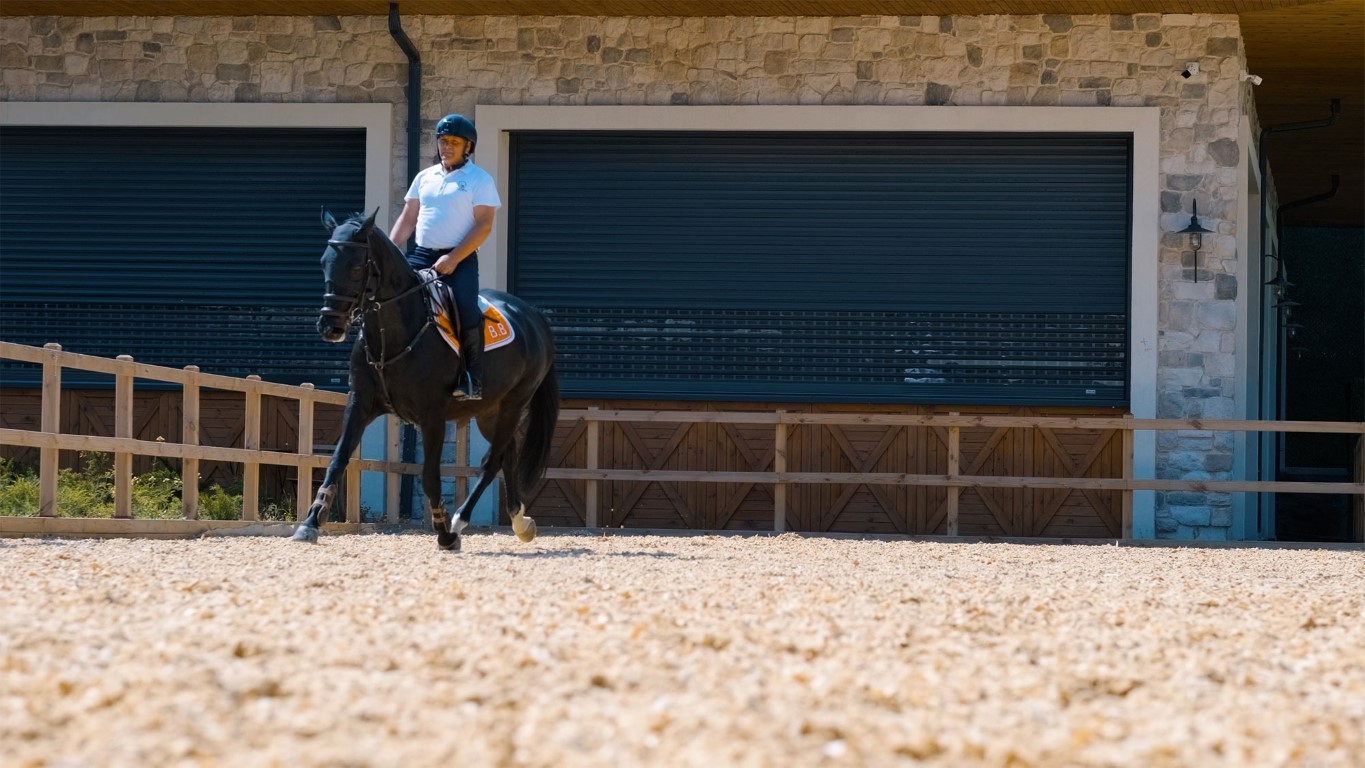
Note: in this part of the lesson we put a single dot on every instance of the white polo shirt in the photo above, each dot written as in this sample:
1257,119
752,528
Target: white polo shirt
447,203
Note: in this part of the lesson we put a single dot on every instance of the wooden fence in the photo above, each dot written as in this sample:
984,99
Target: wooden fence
954,479
49,441
89,410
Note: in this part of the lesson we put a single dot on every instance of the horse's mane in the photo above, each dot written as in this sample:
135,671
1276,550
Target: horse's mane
358,219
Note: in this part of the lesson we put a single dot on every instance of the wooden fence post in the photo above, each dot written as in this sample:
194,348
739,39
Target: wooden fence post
189,435
352,481
303,491
1127,458
353,493
780,466
52,424
123,429
594,438
954,467
392,429
251,439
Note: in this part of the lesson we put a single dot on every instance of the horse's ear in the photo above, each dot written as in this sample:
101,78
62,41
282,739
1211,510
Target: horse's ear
369,221
328,220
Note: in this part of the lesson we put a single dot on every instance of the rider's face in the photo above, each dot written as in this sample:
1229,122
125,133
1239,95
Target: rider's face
451,148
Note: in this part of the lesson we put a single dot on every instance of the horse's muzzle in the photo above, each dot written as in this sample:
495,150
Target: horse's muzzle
332,328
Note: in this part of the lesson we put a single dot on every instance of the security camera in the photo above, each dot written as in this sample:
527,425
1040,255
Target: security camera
1191,69
1245,76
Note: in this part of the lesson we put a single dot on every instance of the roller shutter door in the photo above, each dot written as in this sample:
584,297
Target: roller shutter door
915,267
178,246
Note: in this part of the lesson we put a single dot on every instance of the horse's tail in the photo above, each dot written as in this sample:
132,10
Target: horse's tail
540,430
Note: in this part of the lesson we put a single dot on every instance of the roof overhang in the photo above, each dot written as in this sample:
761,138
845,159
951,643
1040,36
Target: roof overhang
628,7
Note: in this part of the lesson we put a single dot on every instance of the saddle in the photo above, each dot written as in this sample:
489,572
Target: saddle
497,331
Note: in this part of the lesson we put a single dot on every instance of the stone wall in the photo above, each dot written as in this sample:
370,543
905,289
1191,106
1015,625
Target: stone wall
1067,61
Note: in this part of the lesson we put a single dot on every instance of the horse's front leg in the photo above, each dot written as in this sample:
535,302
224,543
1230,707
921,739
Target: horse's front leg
447,530
353,424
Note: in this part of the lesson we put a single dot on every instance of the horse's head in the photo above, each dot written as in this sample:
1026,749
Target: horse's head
349,271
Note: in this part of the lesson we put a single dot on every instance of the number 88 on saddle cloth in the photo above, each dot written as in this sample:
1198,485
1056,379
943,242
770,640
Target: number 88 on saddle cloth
497,331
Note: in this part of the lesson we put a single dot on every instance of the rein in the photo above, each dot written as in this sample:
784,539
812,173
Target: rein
357,307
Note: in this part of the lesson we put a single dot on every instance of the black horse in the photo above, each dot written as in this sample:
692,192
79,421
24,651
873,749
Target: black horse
401,365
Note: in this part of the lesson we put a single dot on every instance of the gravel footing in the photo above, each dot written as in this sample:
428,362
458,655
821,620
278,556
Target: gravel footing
681,651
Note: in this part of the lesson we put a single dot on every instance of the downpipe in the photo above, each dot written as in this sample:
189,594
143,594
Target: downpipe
408,449
414,91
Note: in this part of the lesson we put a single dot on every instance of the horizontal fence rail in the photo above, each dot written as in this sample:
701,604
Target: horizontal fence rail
48,440
961,420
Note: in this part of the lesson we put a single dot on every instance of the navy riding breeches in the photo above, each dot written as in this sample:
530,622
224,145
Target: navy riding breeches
464,281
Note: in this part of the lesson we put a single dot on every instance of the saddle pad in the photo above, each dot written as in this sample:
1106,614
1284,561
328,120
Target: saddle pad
497,332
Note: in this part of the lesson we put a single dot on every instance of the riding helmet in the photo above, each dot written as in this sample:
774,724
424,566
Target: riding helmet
458,125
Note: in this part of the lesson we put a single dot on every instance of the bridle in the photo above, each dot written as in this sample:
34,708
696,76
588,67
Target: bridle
343,306
355,308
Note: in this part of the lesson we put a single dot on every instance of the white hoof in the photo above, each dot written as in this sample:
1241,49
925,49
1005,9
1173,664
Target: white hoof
523,526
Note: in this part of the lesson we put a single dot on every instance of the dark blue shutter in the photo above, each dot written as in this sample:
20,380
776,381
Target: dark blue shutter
916,267
179,246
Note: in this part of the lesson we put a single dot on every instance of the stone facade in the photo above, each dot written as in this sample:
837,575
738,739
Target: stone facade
1038,60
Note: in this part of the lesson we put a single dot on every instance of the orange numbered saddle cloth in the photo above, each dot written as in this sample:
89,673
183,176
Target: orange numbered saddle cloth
497,332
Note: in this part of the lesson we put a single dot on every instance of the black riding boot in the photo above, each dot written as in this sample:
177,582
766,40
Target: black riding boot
471,346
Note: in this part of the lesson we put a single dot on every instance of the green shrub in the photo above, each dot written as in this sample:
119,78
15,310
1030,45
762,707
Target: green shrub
280,511
156,495
218,504
89,491
18,490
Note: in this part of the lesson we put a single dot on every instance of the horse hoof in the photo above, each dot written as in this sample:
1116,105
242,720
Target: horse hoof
526,531
305,533
448,541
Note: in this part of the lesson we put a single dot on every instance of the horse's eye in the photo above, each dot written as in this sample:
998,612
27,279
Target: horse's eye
357,272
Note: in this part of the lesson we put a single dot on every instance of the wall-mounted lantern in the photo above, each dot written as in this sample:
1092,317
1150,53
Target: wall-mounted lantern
1280,282
1196,234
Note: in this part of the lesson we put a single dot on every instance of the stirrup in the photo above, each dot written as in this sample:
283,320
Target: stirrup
468,390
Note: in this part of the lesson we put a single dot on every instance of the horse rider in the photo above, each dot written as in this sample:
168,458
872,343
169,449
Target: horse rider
450,207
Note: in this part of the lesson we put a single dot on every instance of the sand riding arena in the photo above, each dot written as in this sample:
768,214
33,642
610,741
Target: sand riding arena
679,651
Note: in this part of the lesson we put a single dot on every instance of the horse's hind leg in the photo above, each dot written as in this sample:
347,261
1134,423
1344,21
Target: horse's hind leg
522,525
502,456
501,433
488,469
